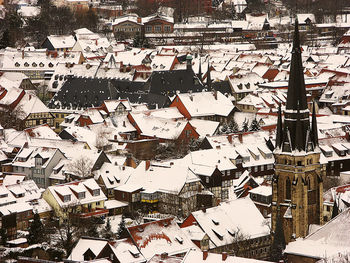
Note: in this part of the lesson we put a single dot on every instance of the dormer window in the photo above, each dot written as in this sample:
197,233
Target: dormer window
38,161
66,198
17,64
216,222
221,237
26,64
81,195
135,254
179,239
41,64
50,65
96,192
34,64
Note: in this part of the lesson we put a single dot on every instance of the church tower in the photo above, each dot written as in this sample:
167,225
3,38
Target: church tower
297,188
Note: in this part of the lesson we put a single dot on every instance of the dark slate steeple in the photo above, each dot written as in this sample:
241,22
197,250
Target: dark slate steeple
279,132
296,113
199,75
296,85
208,77
314,130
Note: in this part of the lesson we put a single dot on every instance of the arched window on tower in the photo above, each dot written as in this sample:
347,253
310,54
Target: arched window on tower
288,189
308,181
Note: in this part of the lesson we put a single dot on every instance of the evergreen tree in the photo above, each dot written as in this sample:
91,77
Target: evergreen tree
233,126
279,242
92,228
122,232
36,231
245,126
335,211
107,231
137,42
254,126
224,128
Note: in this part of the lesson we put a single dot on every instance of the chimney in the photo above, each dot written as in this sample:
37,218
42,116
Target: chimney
188,62
240,137
204,210
164,256
215,93
229,138
205,254
148,164
224,256
191,97
96,41
124,124
139,20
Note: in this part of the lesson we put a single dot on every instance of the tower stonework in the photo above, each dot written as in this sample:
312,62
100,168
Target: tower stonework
297,187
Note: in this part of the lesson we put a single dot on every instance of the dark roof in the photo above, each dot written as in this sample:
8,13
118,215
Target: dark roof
88,92
168,82
222,86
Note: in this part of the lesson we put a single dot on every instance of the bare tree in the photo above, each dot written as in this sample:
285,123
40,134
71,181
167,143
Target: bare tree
12,118
80,167
68,227
101,139
241,243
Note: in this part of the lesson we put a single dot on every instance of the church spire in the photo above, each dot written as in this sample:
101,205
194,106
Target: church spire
208,77
314,130
296,115
296,85
279,132
200,69
299,142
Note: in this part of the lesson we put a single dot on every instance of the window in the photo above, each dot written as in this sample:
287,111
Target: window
96,192
81,195
158,28
66,198
288,189
148,29
167,28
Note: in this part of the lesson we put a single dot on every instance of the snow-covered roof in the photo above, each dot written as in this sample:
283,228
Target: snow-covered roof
95,245
61,41
159,127
329,240
262,190
163,236
169,179
196,103
197,256
221,222
66,190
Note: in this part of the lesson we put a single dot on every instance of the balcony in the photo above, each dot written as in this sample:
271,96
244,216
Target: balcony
96,213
